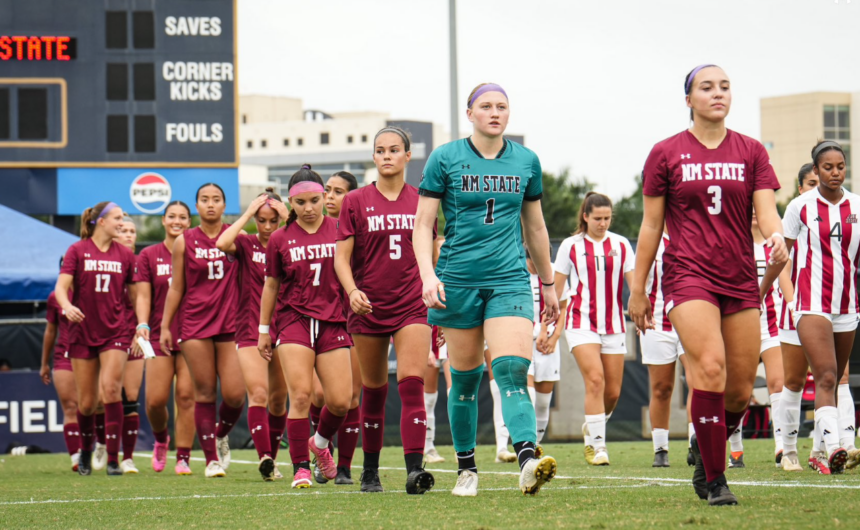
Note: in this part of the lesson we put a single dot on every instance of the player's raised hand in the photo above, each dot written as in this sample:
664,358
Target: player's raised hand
640,311
434,293
279,207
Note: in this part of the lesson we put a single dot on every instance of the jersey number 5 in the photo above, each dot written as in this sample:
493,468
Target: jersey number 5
717,199
394,246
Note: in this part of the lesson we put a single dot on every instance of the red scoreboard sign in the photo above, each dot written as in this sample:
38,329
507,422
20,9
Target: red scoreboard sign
44,48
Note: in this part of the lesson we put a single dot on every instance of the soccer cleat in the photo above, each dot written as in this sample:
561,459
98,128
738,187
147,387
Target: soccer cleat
159,455
601,458
818,462
778,458
267,468
790,462
535,473
691,459
99,457
344,476
215,469
128,468
467,484
75,459
223,445
538,451
277,473
113,469
719,493
318,473
837,461
433,457
419,482
505,457
370,481
589,449
302,478
736,459
661,459
85,465
182,468
700,480
324,463
853,459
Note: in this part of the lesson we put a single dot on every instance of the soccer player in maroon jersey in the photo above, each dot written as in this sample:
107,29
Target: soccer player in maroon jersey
55,345
205,282
98,269
311,323
704,183
153,278
264,381
377,268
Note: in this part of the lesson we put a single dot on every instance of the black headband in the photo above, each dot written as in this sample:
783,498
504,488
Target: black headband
825,145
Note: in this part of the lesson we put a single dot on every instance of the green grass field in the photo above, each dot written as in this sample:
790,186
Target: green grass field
41,491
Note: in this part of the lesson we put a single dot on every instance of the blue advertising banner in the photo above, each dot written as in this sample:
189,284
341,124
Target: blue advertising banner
140,191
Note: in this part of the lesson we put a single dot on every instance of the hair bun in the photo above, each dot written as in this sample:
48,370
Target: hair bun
306,166
270,190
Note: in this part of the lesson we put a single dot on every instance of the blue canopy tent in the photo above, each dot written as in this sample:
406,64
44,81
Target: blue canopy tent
30,259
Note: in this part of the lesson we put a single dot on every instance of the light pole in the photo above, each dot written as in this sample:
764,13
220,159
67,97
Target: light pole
452,46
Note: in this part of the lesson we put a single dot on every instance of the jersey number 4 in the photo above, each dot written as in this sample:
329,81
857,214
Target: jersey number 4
836,231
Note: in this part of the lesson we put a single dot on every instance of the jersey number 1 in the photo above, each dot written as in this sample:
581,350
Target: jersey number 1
491,206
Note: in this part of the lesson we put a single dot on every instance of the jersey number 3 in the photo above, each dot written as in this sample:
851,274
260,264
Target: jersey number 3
717,199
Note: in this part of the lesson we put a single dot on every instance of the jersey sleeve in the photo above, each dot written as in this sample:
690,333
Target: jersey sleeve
764,177
346,221
53,314
433,178
534,190
142,272
70,261
629,256
563,264
131,267
274,263
240,243
655,175
791,220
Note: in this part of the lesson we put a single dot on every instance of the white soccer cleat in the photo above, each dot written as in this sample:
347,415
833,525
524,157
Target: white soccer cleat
536,473
75,459
223,445
601,458
433,457
467,484
505,457
790,462
128,467
100,457
277,473
214,469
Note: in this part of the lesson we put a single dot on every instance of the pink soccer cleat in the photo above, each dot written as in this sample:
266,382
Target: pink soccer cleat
182,468
302,478
159,455
324,461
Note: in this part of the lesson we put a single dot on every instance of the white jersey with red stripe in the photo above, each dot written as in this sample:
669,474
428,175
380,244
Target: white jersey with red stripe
772,305
786,318
654,288
595,271
828,238
537,293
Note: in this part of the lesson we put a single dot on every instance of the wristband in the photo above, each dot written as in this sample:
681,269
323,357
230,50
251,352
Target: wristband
142,325
550,284
350,293
777,234
264,330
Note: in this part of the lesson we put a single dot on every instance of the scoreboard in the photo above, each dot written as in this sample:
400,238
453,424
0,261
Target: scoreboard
118,84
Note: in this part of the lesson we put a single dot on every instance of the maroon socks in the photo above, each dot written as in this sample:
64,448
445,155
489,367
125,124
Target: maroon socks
227,418
314,414
709,418
277,425
258,423
113,427
347,438
733,420
204,421
160,436
329,424
413,415
72,436
130,427
183,453
298,432
373,418
100,427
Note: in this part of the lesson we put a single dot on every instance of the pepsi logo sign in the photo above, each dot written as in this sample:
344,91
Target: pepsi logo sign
150,193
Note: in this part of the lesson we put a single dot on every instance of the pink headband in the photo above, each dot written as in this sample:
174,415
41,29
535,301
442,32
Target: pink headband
306,186
489,87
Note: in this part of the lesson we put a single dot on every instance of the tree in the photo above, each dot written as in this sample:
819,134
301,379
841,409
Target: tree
627,213
560,202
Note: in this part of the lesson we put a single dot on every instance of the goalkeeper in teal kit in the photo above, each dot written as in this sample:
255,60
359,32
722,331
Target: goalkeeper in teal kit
490,190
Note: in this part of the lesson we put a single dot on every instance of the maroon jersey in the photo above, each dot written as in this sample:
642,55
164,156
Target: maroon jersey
211,290
131,317
383,261
709,210
99,286
305,262
55,316
251,255
155,267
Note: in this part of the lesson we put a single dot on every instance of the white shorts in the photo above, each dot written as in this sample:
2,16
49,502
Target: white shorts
545,367
660,347
789,336
609,344
841,323
768,342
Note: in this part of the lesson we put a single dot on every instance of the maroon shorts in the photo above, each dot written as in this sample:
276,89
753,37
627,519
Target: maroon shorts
156,347
221,337
135,356
326,336
371,324
80,351
242,343
728,305
61,362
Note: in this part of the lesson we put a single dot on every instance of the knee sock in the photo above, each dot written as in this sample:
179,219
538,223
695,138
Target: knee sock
227,418
817,442
789,410
100,428
734,420
847,419
204,422
596,430
87,426
258,423
517,407
327,428
130,428
72,437
532,394
709,418
298,433
736,440
775,418
113,428
314,415
502,434
277,424
413,419
430,410
183,453
160,436
660,438
372,423
691,430
542,402
827,423
347,438
463,408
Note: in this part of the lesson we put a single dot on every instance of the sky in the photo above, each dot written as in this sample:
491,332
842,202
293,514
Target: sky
592,85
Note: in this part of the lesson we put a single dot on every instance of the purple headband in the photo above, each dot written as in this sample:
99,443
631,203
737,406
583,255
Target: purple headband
489,87
692,76
306,186
108,207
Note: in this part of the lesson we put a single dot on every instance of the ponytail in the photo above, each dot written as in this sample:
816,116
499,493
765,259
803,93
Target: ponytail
305,174
591,201
89,218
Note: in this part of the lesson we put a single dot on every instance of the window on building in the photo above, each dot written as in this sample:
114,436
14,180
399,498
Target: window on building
349,139
263,143
847,150
286,142
250,144
364,138
324,138
300,141
837,124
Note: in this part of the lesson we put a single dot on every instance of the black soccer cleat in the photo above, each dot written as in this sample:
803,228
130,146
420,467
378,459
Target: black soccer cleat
318,474
661,459
85,464
344,476
370,481
419,481
691,460
700,480
736,462
719,493
113,469
267,469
